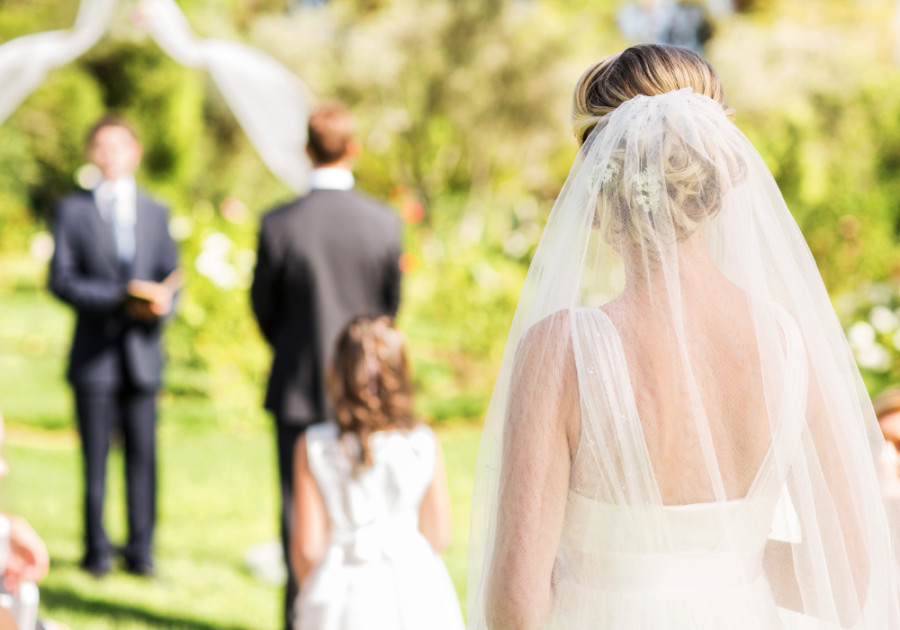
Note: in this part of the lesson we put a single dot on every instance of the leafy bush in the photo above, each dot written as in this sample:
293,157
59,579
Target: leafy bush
463,108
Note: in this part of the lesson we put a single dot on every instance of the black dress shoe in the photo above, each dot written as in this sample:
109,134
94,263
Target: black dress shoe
97,568
140,569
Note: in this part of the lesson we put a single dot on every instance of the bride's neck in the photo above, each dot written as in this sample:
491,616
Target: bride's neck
647,275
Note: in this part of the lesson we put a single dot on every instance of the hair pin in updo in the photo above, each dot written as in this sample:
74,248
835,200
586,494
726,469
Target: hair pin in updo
646,192
597,183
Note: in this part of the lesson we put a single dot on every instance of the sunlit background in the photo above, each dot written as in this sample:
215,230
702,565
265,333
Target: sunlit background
463,112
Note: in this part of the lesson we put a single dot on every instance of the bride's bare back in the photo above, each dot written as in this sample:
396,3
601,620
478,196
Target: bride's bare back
723,362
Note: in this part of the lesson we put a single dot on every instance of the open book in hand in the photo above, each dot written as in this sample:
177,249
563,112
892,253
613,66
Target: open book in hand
148,292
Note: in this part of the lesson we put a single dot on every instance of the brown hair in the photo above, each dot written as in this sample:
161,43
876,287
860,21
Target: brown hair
647,69
331,129
110,120
370,382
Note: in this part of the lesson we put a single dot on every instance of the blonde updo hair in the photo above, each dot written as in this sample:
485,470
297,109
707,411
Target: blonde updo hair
648,69
695,181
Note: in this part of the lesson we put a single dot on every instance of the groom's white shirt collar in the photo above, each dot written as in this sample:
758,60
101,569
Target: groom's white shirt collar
123,191
330,179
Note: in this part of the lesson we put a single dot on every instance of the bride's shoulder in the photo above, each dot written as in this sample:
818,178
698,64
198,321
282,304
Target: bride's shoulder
549,338
557,329
553,329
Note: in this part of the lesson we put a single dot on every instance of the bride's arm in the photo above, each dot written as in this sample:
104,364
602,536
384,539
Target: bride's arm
778,561
540,435
834,518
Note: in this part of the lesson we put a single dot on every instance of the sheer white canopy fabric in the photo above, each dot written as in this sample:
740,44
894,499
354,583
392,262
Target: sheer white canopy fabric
270,103
26,61
678,437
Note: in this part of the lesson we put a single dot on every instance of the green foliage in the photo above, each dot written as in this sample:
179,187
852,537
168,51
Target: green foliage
463,108
820,99
40,146
466,119
871,315
34,340
195,156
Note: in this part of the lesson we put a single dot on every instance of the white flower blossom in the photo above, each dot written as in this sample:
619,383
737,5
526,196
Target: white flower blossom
880,293
874,357
516,244
180,228
41,247
485,275
896,340
213,261
861,335
883,319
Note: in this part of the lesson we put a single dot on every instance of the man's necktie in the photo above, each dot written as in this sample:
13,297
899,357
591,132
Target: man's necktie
123,231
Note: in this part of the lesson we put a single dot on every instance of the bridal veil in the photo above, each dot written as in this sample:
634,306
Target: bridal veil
674,328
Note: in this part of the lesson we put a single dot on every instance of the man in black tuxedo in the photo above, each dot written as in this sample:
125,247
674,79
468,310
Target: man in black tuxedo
323,259
116,265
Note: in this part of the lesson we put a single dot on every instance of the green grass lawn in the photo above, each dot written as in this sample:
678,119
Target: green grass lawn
217,495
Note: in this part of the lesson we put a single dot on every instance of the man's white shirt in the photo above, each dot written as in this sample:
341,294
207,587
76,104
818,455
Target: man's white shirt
119,197
331,178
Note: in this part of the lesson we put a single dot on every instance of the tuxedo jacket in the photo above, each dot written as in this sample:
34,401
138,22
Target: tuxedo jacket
108,345
322,260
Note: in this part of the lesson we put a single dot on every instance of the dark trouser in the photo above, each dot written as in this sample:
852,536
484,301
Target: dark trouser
134,411
287,436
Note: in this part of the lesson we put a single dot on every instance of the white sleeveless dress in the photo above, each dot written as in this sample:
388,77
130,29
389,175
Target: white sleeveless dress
628,561
378,572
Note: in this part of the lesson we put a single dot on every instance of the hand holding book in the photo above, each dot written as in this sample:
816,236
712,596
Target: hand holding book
147,301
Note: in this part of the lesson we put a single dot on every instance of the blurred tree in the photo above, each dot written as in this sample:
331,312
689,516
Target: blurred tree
463,108
195,157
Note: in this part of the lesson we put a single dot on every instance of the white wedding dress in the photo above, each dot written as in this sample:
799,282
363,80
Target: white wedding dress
379,572
676,383
625,564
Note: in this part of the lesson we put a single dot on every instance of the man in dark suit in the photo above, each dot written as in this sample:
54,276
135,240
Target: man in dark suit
116,265
323,259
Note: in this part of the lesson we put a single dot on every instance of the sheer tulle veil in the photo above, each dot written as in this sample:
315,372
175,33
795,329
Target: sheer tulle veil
674,326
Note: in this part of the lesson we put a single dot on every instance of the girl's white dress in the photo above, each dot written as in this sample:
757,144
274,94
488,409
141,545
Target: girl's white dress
379,572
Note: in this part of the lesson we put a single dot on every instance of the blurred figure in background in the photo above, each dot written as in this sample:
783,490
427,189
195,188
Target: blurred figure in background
116,265
887,410
683,23
323,259
26,558
371,499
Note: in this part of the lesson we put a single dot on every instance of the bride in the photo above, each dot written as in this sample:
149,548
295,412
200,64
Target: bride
679,437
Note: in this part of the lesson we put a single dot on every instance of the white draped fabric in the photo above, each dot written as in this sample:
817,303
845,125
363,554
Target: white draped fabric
270,103
26,61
